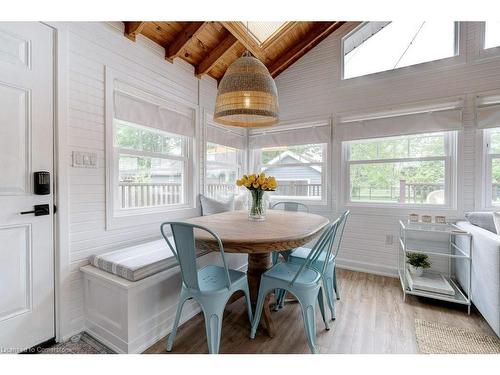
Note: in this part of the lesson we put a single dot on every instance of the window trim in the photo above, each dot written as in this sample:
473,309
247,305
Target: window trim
325,176
458,58
146,215
450,159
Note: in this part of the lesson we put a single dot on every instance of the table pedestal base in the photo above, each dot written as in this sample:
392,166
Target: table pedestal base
257,265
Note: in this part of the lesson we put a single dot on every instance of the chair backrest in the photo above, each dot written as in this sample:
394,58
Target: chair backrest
185,251
290,206
340,233
323,245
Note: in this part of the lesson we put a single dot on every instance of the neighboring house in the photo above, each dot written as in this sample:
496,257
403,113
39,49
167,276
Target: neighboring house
162,171
296,179
304,174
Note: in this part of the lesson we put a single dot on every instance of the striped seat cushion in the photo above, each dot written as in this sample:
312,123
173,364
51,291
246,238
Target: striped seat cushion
138,262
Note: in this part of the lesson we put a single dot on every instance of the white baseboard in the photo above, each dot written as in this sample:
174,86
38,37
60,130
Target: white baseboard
373,268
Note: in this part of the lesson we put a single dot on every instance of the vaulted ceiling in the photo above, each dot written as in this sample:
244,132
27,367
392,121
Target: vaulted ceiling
212,46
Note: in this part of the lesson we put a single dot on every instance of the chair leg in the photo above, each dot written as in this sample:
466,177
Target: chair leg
321,303
307,303
282,297
248,303
275,257
335,286
258,308
281,293
170,342
213,327
329,285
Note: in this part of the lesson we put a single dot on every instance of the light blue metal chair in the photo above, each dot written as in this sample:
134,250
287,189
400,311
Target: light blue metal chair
303,281
210,286
301,254
293,207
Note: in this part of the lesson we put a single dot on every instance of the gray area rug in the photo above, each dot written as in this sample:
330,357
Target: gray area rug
434,338
79,344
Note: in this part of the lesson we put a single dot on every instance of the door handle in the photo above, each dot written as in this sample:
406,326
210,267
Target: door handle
39,210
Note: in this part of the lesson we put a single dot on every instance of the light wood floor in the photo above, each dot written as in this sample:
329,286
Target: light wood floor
371,318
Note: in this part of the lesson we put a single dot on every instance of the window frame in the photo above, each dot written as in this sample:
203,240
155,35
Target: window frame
325,175
486,53
450,160
147,215
184,158
240,164
458,58
488,163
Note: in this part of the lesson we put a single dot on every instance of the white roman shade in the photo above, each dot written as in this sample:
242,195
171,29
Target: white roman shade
425,122
173,119
298,135
227,136
488,112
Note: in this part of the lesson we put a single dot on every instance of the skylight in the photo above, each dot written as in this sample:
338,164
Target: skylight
380,46
262,31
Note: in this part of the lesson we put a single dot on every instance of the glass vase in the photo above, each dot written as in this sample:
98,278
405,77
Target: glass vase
257,205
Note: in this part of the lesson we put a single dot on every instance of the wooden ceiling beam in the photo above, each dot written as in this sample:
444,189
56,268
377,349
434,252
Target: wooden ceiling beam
239,31
185,36
216,55
316,35
133,28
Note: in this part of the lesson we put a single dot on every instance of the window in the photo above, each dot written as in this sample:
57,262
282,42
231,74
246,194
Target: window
492,137
223,167
152,167
297,169
380,46
411,169
491,34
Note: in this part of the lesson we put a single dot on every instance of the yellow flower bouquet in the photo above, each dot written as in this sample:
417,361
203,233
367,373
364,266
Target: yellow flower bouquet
258,184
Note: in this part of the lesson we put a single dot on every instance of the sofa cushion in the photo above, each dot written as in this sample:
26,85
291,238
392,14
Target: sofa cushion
482,219
138,262
211,206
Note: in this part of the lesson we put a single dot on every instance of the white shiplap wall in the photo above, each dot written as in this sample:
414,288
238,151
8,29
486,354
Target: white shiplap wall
312,87
309,88
89,48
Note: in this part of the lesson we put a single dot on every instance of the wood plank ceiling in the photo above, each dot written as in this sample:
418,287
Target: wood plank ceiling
212,46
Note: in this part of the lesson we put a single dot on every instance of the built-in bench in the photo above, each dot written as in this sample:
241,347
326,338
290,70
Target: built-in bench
131,294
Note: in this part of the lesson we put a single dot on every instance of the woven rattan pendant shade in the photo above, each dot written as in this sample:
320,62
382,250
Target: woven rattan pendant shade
247,95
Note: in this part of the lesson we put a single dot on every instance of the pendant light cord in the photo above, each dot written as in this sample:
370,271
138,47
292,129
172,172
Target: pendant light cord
247,52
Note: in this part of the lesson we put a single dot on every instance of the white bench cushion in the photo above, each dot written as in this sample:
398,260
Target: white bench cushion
138,262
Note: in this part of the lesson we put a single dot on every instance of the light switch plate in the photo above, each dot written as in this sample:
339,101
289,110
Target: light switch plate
84,159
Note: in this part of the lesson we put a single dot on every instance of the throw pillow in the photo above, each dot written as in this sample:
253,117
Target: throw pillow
240,202
210,206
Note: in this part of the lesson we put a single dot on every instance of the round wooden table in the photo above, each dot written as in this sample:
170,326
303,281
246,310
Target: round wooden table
282,230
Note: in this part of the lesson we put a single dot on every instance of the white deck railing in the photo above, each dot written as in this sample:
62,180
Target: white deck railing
136,194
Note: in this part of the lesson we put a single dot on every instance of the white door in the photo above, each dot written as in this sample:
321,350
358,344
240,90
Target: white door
26,146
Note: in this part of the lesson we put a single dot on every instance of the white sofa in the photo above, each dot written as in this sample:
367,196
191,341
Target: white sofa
485,279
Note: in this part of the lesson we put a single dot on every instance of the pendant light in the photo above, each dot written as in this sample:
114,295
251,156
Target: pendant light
247,95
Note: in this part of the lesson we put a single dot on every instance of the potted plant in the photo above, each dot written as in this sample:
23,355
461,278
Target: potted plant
258,184
418,262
